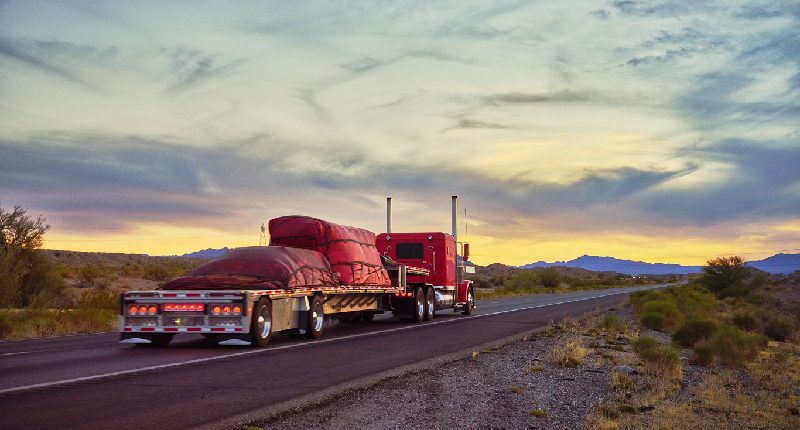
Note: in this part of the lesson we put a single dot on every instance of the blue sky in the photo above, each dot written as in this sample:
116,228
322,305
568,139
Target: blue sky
661,131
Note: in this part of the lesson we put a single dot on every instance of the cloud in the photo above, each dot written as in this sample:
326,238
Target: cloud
528,98
473,123
26,53
192,67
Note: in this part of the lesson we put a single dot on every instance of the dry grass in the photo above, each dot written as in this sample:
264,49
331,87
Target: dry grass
570,353
517,390
538,413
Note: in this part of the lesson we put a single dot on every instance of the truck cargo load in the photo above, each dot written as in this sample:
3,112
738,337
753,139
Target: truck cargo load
260,268
350,250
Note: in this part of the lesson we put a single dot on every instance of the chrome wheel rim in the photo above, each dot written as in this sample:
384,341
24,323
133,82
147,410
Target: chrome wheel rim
420,307
430,307
264,323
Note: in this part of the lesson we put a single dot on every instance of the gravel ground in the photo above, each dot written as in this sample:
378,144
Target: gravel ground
495,388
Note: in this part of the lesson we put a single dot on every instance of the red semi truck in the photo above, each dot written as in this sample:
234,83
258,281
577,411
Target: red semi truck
312,271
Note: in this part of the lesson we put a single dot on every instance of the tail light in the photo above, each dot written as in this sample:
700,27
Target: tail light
137,309
226,309
183,307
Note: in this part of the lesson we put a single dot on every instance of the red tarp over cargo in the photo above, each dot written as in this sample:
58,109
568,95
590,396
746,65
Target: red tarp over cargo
350,250
258,268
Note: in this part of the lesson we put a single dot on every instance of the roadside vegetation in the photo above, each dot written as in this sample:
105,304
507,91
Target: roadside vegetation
42,296
518,282
718,353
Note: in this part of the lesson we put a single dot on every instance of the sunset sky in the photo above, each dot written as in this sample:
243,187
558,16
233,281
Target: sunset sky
650,130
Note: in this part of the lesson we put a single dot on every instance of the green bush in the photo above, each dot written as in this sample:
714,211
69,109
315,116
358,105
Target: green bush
645,346
652,320
611,324
780,327
549,277
732,346
745,320
694,331
703,353
670,316
664,358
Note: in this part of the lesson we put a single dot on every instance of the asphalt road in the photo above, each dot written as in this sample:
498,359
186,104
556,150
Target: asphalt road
91,381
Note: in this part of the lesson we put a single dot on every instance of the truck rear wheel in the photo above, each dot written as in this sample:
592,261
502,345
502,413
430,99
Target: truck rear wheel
419,306
316,318
430,304
261,325
470,303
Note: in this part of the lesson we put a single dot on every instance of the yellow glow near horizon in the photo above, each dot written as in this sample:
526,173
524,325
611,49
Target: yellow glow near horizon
158,239
154,239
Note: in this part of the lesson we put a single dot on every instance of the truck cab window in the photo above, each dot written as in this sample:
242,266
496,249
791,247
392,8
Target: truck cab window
410,251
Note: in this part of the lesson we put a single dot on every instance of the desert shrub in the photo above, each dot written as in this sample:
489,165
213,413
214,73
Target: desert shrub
638,298
693,300
549,277
668,314
611,325
780,327
652,320
733,346
98,299
745,320
659,358
644,346
90,276
155,272
6,324
570,353
694,331
703,353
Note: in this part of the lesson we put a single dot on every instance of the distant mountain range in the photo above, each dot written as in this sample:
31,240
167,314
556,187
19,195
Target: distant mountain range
779,263
209,253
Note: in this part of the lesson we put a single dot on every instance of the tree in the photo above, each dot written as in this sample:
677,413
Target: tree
26,274
725,276
18,230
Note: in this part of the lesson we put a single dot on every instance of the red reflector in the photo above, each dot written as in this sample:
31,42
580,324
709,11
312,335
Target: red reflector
148,329
170,329
169,295
193,329
128,329
217,329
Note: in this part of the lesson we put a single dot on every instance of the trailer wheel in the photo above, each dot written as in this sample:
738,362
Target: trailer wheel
261,326
316,318
430,304
367,317
162,339
470,303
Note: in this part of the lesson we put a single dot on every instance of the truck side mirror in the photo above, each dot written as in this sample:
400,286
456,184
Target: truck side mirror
465,257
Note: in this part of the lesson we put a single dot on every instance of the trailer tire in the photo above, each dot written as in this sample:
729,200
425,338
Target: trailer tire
430,304
162,339
261,325
470,303
316,318
367,317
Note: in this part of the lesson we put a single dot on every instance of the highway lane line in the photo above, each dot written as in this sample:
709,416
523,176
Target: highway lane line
296,345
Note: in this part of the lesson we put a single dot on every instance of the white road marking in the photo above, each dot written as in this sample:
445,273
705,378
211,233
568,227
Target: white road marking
14,353
296,345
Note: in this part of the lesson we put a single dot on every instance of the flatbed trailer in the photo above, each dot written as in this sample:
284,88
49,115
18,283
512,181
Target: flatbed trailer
421,283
